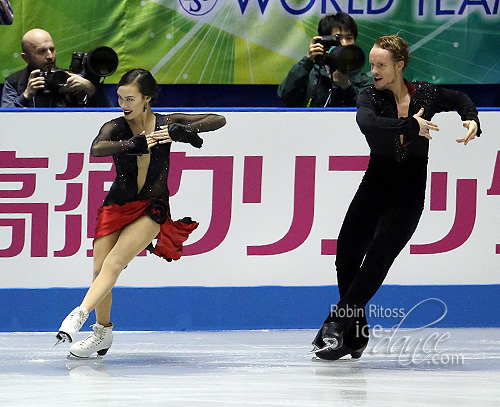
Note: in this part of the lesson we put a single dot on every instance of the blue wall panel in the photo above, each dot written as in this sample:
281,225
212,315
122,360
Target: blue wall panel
267,307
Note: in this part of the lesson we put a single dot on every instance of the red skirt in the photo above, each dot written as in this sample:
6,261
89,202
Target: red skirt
111,218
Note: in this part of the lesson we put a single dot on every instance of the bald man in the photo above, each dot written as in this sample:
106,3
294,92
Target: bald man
26,88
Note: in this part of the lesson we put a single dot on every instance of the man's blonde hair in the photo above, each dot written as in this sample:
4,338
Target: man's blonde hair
398,47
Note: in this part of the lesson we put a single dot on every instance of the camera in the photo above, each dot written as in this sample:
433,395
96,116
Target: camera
94,65
329,41
54,79
345,58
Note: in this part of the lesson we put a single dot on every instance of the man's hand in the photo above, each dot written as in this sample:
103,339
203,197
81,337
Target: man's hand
35,83
471,134
77,83
315,49
341,79
425,125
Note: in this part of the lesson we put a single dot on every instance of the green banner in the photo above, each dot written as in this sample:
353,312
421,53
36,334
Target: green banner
257,41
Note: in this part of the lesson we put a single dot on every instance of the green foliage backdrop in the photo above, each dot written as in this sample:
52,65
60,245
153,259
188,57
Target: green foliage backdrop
257,41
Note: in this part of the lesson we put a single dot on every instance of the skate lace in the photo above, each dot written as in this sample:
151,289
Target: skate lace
95,337
76,319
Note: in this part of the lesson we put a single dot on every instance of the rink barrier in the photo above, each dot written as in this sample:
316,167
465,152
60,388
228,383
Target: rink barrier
250,308
272,279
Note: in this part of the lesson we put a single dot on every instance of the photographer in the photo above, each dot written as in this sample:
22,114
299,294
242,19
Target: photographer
310,82
30,87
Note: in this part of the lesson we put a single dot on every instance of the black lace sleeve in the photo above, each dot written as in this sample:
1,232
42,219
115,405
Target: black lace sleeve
184,128
455,100
197,123
110,141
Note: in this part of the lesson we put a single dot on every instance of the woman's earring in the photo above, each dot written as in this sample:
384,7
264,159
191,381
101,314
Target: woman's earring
145,107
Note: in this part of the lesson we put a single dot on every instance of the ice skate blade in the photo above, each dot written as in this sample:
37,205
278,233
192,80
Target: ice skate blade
62,337
317,359
79,358
324,348
100,354
339,353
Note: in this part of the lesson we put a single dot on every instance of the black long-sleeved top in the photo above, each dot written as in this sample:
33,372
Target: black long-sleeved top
377,116
115,138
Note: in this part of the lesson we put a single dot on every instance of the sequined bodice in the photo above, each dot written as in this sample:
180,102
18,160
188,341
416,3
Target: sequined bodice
124,188
423,94
378,119
114,139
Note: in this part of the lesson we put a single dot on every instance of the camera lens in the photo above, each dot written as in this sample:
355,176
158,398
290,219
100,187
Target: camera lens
346,59
102,61
59,78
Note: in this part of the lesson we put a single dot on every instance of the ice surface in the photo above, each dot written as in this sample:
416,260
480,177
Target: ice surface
440,367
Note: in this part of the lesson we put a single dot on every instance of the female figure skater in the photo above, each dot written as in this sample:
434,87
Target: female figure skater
394,115
136,209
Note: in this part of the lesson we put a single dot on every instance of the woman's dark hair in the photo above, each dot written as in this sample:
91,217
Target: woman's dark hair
342,21
142,78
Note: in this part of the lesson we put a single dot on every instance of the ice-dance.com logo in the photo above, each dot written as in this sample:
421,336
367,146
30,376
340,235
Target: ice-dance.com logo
198,7
417,346
420,345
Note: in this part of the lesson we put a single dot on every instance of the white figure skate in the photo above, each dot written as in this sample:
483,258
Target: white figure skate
71,325
99,341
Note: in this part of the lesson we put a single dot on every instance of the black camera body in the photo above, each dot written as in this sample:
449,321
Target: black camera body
329,41
54,79
94,65
345,58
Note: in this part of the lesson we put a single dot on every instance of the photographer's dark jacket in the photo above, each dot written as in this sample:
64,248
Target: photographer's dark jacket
15,85
308,84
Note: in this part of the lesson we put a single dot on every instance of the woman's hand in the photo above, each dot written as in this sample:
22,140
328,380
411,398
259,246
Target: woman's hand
471,134
425,125
158,137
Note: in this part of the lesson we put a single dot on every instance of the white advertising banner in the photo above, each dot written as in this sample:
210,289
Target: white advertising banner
270,190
